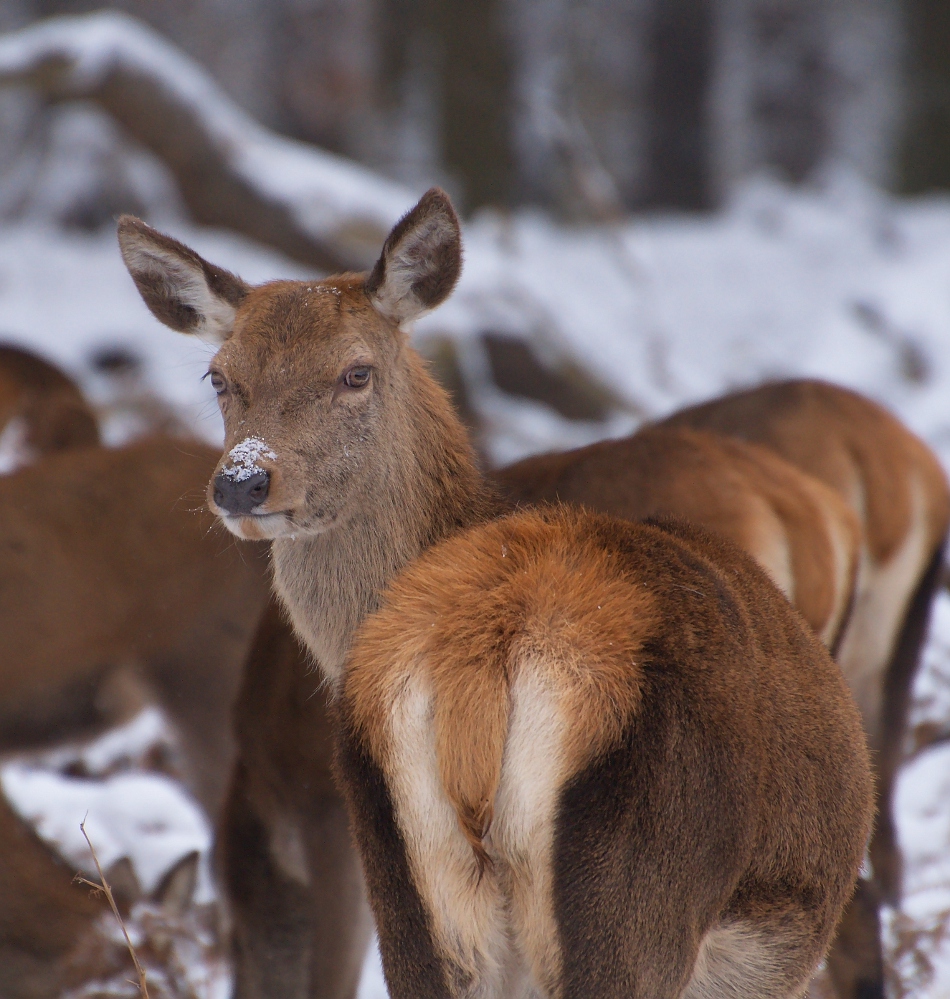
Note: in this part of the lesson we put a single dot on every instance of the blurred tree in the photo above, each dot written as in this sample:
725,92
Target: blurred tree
925,153
445,80
681,52
475,91
590,107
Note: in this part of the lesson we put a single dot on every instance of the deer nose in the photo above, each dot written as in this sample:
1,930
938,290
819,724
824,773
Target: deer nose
237,496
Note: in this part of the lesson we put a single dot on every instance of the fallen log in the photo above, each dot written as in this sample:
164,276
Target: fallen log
317,208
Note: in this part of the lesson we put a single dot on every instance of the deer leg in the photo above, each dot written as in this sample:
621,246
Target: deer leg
413,966
855,962
898,689
340,921
270,909
197,689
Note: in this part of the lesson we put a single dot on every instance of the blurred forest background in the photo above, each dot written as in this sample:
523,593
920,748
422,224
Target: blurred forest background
664,200
590,108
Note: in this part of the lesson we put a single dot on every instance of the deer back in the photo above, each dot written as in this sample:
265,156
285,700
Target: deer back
886,473
799,530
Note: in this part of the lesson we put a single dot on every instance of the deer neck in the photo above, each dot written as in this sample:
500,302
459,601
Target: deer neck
330,582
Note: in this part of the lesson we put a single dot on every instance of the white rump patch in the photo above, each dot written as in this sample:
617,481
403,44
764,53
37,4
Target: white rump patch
243,459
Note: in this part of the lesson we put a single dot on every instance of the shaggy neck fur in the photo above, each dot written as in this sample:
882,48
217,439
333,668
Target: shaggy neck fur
426,487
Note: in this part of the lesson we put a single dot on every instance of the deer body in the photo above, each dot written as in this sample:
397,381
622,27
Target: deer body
895,486
106,605
341,450
798,529
587,757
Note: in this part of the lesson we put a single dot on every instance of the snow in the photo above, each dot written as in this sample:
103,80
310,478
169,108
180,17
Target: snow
244,458
839,281
329,195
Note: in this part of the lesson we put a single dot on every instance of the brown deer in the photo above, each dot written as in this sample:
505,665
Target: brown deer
588,757
57,937
898,489
41,407
117,590
339,446
798,529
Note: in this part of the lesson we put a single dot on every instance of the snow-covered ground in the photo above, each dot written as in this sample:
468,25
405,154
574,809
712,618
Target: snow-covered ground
841,282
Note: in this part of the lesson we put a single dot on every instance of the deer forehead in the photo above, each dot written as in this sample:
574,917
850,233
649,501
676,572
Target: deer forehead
292,331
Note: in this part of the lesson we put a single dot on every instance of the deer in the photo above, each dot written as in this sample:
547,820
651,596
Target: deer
57,936
295,924
339,448
42,410
898,490
118,592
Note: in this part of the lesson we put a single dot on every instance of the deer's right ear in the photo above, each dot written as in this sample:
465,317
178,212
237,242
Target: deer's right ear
420,262
181,289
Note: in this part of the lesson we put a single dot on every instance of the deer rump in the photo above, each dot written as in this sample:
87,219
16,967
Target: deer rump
598,758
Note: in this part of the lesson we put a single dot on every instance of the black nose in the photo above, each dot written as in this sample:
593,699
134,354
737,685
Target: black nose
237,496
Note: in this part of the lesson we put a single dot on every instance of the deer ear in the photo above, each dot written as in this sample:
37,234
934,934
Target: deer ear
181,289
175,892
420,262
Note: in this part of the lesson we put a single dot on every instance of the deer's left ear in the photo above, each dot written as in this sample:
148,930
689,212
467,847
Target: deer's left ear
420,262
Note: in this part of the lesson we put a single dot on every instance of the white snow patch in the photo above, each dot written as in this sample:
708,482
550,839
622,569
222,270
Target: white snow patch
145,817
244,458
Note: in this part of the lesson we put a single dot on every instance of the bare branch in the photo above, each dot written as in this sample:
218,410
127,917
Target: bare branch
104,886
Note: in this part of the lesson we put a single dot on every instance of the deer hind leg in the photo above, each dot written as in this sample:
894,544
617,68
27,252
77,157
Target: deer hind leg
760,960
897,690
442,923
855,962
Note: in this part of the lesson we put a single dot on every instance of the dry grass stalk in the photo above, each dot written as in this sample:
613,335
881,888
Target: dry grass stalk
104,887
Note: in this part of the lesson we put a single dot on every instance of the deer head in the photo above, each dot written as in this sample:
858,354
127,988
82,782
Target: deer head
314,378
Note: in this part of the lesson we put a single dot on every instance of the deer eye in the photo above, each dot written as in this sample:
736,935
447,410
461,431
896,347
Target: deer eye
358,377
218,382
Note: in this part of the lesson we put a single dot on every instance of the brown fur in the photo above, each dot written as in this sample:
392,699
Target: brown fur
48,926
300,921
360,481
116,589
794,526
846,441
54,413
898,490
562,597
623,625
